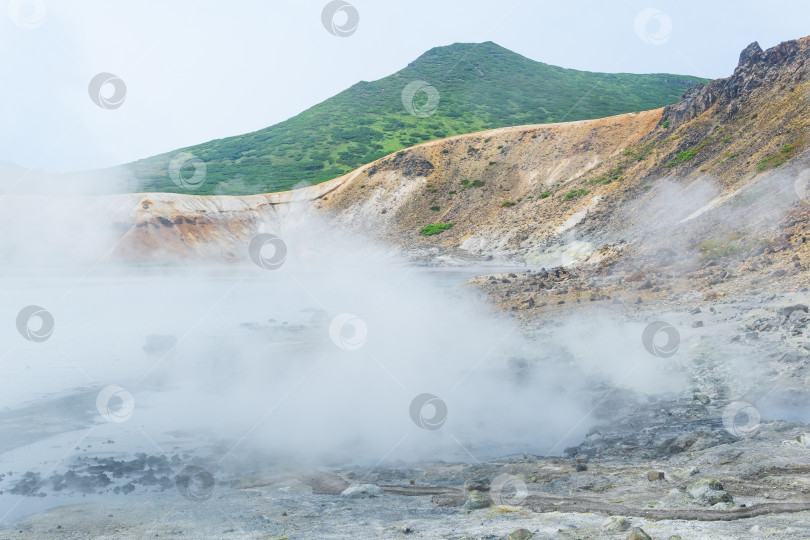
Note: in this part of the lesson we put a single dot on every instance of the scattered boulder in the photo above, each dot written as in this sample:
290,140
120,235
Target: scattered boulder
362,491
637,533
653,476
702,398
617,524
709,491
520,534
476,484
476,500
787,311
676,445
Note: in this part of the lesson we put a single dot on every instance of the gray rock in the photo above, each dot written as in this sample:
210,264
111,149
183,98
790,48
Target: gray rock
709,491
638,534
787,311
476,484
703,398
520,534
617,524
476,500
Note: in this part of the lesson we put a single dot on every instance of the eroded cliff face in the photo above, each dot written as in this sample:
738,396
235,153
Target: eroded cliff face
155,226
786,62
525,194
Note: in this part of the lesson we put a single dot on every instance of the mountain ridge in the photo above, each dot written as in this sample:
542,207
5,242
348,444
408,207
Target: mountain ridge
529,189
478,86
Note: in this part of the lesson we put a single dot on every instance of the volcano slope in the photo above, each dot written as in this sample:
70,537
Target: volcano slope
521,195
514,193
694,217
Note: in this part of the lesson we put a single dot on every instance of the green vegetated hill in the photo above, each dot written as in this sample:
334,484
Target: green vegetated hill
480,86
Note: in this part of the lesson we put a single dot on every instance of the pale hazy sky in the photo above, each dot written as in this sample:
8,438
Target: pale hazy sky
197,70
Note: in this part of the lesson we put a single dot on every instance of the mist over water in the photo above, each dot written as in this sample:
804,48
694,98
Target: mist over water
326,358
323,359
344,354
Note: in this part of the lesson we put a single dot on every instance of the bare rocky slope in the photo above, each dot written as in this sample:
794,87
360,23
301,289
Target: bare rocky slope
523,194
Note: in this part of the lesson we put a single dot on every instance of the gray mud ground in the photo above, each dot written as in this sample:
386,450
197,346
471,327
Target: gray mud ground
641,462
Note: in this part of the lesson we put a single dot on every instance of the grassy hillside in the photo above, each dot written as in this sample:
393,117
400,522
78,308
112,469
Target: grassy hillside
480,86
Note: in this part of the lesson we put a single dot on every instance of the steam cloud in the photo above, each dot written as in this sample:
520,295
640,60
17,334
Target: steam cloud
321,357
